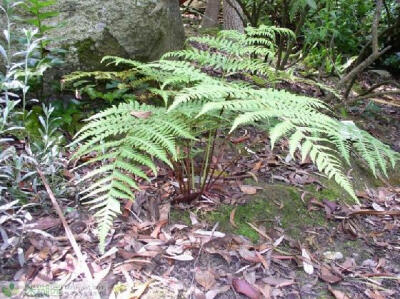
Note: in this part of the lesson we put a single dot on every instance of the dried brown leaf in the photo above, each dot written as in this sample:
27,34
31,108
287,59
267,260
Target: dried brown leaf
263,234
307,266
338,294
247,189
193,218
278,241
277,282
205,278
185,257
99,276
349,264
141,289
211,294
197,294
206,233
241,286
374,294
141,114
265,290
164,211
328,276
248,255
158,227
223,253
257,166
232,218
44,223
262,260
174,249
240,139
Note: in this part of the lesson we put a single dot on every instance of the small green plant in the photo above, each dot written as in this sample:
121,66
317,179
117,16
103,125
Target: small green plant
130,138
17,167
28,72
40,11
9,291
47,146
20,185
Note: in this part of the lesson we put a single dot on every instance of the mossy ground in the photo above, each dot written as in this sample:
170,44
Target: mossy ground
281,205
274,205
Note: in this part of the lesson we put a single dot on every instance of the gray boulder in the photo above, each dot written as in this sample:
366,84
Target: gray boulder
91,29
139,29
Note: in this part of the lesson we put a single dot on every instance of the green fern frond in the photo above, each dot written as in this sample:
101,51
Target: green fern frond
119,60
313,133
127,147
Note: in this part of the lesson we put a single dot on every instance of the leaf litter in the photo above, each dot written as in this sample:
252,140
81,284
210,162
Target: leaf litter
152,256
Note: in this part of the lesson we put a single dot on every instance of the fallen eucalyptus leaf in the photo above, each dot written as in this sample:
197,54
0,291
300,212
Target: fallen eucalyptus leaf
307,266
248,189
211,294
141,114
205,278
243,287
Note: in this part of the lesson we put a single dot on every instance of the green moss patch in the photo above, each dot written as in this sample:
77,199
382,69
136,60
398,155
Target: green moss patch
275,205
179,216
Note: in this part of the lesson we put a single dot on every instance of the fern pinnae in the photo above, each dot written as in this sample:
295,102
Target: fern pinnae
130,153
177,127
305,149
149,147
153,134
294,141
108,211
122,187
95,192
98,201
280,130
96,184
103,157
97,171
252,117
119,60
130,168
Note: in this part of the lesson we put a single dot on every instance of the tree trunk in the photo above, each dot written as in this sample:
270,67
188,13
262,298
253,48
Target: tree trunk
210,18
233,16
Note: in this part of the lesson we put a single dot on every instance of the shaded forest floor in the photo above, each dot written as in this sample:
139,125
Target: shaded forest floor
270,227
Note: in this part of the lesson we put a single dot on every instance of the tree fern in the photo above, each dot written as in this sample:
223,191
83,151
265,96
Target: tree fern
128,138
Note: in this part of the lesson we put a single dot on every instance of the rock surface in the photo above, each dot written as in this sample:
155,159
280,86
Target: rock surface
91,29
140,29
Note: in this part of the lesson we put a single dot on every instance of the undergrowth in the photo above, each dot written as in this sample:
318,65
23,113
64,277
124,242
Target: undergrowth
185,104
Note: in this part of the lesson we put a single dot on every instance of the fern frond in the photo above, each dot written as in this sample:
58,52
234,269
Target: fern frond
126,147
313,133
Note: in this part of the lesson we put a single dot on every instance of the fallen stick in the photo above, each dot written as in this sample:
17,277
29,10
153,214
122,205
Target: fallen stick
69,234
372,212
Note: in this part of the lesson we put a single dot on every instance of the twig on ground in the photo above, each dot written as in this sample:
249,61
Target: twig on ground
68,232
